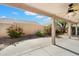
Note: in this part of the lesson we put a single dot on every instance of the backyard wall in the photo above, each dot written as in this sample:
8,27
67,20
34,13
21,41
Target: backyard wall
28,28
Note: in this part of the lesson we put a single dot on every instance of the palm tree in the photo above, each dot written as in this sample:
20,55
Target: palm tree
61,26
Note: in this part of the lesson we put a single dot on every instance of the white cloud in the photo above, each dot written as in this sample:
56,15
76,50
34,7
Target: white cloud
29,13
49,18
15,13
2,16
40,16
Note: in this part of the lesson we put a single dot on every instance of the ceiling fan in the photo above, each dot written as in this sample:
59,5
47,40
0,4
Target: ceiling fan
71,8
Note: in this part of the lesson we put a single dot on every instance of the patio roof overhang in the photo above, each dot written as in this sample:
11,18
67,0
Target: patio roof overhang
57,10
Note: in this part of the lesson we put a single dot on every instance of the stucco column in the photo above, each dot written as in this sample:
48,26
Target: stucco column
69,30
76,32
53,31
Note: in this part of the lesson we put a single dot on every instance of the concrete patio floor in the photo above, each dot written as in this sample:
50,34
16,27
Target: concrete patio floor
43,47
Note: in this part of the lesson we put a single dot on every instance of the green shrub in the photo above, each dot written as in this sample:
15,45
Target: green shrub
40,34
15,31
47,30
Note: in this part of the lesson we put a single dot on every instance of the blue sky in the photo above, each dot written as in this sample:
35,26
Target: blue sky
23,15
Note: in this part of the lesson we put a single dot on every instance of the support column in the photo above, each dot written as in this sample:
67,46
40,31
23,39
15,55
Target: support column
76,31
53,33
69,30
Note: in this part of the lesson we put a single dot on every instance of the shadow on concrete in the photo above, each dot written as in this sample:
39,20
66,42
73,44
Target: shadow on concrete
68,50
6,41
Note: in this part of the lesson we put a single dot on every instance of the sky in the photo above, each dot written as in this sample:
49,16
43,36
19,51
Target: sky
23,15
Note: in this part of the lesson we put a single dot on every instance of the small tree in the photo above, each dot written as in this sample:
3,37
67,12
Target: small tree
15,32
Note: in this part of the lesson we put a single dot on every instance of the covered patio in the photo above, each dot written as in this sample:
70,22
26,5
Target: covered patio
54,11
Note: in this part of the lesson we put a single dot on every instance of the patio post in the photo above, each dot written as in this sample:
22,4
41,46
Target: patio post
53,31
69,30
76,30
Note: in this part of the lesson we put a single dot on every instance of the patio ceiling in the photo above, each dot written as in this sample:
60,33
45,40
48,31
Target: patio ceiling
57,10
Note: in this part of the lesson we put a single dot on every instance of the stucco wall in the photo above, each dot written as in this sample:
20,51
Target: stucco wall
28,28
